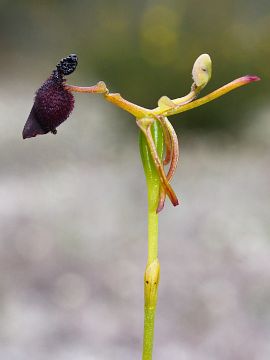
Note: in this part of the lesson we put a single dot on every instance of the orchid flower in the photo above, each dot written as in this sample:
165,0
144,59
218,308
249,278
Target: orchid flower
54,102
159,148
201,74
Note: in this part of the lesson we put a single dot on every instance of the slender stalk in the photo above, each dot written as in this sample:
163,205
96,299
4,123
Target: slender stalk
151,276
118,100
151,281
99,88
148,339
152,231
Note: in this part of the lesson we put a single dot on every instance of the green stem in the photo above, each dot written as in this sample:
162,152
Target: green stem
148,339
151,278
152,233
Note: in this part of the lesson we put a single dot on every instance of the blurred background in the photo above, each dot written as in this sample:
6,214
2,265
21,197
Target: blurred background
73,206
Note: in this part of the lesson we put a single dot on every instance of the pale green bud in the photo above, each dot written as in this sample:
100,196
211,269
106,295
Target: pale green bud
202,70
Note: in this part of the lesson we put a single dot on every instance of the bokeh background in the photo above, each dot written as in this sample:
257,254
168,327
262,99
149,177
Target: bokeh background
73,206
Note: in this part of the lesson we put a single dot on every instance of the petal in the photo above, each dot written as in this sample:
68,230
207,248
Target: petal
213,95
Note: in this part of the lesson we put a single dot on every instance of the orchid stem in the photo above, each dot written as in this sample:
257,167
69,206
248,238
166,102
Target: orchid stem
151,281
151,277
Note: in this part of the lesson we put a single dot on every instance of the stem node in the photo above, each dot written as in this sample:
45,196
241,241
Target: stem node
151,281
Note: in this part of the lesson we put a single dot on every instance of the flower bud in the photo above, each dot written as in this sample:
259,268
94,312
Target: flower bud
202,70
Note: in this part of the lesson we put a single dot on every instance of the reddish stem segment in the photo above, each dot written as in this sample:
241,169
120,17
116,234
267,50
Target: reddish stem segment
168,142
99,88
174,158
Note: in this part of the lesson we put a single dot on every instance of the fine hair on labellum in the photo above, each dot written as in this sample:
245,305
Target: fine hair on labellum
53,103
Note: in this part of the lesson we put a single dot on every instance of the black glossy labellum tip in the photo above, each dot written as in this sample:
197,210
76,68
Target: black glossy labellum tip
67,65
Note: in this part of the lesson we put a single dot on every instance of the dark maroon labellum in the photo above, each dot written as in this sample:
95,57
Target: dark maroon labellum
53,103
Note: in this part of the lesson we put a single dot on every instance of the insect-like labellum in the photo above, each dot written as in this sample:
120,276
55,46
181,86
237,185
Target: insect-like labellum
53,103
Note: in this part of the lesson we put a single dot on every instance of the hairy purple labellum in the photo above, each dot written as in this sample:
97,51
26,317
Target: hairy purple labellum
53,103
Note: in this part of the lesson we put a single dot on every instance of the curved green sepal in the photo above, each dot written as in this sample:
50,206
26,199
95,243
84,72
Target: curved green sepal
148,163
151,174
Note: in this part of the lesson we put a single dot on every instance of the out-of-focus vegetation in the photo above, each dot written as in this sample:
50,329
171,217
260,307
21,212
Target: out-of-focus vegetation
145,49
